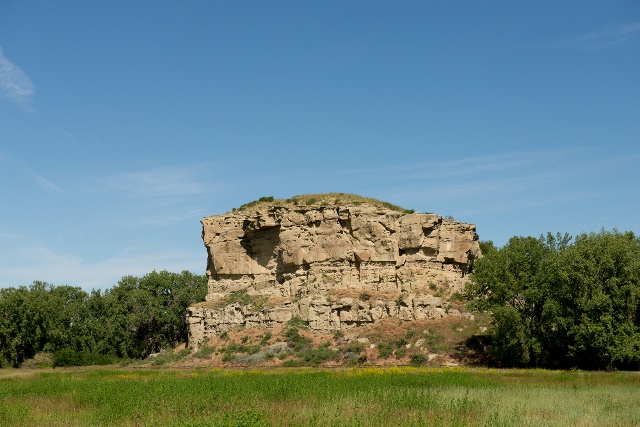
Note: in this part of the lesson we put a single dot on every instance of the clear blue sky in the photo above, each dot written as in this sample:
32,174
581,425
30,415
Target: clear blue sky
123,123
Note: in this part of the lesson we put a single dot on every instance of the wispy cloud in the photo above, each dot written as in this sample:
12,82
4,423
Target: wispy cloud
26,170
171,217
601,39
466,169
163,182
15,85
511,181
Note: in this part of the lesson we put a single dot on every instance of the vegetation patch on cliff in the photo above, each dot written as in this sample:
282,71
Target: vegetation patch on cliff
321,199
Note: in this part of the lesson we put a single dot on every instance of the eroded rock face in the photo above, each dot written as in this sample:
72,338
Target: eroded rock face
335,267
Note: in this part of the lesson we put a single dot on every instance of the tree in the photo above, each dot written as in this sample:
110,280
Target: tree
511,282
556,304
136,317
601,290
41,317
144,315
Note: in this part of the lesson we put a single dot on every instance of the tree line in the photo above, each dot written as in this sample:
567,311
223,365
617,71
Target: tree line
555,302
558,302
136,317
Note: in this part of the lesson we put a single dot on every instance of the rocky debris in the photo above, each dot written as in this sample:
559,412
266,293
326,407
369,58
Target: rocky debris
273,263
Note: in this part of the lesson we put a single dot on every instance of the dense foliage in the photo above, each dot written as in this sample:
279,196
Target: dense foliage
138,316
562,304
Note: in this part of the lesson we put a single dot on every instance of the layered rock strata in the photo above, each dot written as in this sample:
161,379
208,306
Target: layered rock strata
335,267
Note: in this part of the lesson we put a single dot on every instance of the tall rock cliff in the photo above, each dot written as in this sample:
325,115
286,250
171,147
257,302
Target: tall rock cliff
334,264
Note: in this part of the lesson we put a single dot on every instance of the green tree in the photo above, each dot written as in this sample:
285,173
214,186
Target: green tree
136,317
601,300
556,304
512,282
144,315
42,317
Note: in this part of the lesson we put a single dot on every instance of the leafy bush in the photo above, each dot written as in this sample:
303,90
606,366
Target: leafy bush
323,353
228,357
67,357
417,359
400,342
295,340
41,360
233,347
385,349
354,347
265,339
205,352
168,356
297,322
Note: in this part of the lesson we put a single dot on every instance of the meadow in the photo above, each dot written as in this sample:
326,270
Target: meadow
318,397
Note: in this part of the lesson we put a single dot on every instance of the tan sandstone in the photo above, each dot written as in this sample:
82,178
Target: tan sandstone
335,266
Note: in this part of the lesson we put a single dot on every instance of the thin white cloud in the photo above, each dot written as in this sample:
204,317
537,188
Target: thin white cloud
163,182
601,39
493,189
525,180
15,85
26,170
499,164
169,218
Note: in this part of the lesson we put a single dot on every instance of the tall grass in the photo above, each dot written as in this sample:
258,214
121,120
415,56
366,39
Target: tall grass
348,397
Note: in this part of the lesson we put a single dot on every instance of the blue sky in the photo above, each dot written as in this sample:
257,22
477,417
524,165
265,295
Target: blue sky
123,123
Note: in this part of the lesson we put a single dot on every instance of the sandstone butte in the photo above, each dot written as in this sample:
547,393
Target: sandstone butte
336,261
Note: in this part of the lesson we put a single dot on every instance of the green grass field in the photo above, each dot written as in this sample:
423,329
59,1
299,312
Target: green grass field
313,397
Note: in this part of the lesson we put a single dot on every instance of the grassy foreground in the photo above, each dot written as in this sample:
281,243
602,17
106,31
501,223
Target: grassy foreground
294,397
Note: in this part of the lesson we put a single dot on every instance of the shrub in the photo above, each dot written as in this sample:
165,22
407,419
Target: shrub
266,338
205,352
354,347
400,342
295,340
68,357
319,355
355,359
297,322
365,296
283,355
39,361
411,333
385,349
417,359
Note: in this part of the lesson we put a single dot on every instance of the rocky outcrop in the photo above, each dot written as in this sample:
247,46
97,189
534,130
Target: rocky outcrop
334,266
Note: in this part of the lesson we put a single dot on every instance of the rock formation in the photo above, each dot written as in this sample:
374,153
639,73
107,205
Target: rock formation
333,264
